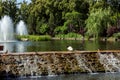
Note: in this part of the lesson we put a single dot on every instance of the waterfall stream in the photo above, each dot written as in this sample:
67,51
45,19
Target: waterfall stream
81,62
110,62
52,64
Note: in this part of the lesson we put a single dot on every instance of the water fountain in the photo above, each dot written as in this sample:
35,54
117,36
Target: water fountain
21,28
6,29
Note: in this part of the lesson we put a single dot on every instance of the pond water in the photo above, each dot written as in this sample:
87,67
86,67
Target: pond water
59,45
95,76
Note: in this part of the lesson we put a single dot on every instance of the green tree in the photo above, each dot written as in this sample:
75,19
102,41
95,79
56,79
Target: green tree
1,8
98,21
51,24
36,13
31,24
74,21
9,7
23,11
44,28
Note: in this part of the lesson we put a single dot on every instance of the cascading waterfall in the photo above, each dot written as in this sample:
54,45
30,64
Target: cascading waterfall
34,67
51,64
56,60
110,62
81,62
50,72
26,64
49,68
6,29
29,67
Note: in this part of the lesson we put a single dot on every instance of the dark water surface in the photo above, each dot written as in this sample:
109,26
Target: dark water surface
96,76
59,45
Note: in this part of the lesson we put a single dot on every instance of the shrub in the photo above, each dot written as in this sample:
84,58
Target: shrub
116,35
35,37
69,35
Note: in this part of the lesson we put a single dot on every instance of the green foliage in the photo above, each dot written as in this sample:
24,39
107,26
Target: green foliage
51,24
41,26
34,37
1,8
69,35
61,29
72,15
56,13
39,38
73,21
43,29
98,21
9,7
116,35
54,17
23,12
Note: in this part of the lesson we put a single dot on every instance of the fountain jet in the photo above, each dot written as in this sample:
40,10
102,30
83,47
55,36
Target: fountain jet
21,28
6,29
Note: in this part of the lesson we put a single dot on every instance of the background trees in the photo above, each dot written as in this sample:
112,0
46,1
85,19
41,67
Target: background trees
95,18
98,22
9,7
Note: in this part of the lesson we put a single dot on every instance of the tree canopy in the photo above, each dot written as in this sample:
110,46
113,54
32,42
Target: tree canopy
87,17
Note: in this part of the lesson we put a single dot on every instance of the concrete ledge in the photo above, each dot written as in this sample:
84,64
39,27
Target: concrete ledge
58,52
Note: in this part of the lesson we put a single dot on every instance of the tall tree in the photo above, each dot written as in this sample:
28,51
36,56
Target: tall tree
98,21
10,8
23,11
51,24
1,8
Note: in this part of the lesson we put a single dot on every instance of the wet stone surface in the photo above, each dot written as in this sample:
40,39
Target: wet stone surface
55,63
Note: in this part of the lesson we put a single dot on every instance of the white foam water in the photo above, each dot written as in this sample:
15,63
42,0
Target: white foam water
6,29
110,62
21,28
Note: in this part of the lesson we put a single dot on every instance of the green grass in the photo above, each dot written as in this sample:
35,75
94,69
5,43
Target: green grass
34,37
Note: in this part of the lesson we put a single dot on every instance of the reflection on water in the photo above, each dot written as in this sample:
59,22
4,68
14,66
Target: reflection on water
14,46
59,45
99,76
20,47
8,46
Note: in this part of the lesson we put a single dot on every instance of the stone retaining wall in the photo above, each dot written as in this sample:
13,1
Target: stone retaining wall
54,63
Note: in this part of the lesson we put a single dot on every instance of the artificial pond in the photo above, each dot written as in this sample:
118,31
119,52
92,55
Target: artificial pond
13,46
59,45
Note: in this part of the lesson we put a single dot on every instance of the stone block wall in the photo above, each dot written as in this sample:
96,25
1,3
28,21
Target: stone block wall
55,63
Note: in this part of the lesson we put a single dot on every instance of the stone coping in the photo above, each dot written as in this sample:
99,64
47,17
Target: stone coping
58,52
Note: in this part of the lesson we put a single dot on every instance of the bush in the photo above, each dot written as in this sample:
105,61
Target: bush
69,35
116,35
35,37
